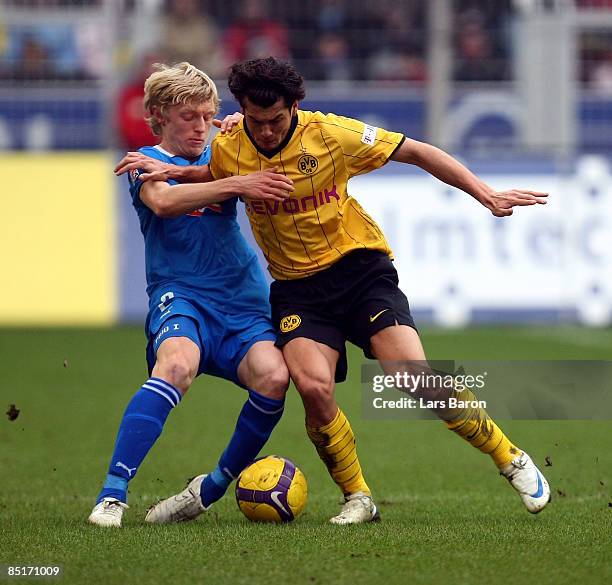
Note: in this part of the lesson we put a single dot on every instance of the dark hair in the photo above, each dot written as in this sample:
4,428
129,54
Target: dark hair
265,81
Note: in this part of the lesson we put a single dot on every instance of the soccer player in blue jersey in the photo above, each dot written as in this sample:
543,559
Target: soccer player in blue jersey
208,307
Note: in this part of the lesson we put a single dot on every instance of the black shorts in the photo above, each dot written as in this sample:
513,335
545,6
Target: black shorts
351,300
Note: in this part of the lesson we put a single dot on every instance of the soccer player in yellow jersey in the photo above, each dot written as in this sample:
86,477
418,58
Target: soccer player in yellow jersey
334,278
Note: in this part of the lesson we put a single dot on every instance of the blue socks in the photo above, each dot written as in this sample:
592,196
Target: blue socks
255,424
140,427
143,422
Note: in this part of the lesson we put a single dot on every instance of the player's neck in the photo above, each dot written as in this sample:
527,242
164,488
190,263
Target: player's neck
165,150
169,148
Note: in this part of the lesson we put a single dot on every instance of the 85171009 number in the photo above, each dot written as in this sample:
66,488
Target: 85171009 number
30,571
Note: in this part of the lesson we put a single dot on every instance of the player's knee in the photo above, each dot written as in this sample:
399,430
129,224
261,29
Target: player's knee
274,382
315,388
177,370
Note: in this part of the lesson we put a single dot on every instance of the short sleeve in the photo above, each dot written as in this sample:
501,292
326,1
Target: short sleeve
365,147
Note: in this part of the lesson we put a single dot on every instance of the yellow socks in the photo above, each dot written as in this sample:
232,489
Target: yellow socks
479,430
335,444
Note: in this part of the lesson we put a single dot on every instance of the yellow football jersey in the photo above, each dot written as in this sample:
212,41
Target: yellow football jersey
320,222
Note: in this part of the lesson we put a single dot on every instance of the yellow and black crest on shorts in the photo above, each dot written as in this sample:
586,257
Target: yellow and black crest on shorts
289,323
308,164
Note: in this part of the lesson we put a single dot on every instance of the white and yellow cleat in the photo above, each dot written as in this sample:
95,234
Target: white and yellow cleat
528,481
357,508
186,505
108,512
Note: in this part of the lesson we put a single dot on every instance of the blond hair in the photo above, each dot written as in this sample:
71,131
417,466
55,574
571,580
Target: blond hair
177,84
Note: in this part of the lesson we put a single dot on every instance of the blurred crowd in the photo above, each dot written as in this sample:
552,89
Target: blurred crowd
329,40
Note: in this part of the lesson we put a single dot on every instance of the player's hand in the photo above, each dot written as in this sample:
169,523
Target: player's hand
265,185
154,170
501,203
229,122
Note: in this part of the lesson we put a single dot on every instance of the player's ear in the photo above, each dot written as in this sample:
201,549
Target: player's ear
294,108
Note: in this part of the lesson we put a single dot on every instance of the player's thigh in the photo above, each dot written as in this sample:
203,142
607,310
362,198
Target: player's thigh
399,350
301,320
263,369
177,362
175,345
312,365
397,343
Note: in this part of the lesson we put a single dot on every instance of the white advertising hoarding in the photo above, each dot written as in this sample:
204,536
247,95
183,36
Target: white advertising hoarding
459,262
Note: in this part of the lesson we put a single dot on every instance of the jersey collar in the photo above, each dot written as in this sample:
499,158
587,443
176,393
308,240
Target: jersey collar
271,153
164,151
189,160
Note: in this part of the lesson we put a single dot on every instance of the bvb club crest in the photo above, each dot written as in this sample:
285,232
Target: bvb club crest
289,323
307,164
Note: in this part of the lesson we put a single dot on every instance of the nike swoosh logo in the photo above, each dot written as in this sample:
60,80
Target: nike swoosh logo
274,497
373,318
540,488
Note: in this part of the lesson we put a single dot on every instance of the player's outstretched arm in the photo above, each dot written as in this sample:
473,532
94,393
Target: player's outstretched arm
449,170
156,170
167,200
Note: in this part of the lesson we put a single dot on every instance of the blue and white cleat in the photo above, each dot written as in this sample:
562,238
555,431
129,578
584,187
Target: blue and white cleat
528,481
184,506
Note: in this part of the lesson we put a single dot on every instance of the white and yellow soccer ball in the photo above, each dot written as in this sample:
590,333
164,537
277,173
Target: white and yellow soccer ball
271,489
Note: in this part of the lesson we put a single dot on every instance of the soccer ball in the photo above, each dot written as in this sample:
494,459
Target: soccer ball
271,489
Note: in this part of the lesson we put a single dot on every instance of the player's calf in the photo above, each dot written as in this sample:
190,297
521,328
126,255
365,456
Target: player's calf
257,419
335,443
140,427
317,394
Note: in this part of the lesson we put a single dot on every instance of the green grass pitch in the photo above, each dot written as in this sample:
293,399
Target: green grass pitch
447,516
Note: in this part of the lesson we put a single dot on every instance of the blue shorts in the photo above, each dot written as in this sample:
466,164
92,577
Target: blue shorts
223,339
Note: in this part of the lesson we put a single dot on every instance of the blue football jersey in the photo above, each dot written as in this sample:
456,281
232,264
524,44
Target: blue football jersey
201,254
